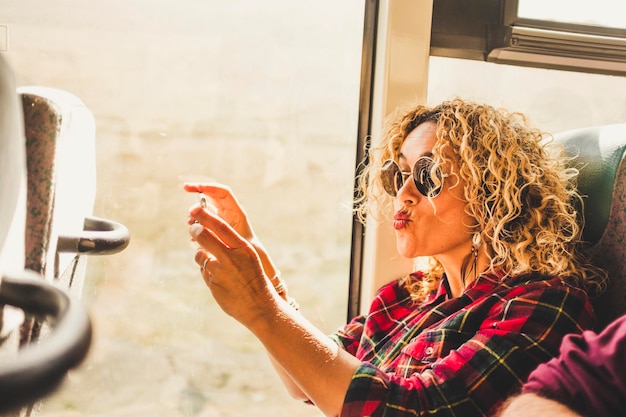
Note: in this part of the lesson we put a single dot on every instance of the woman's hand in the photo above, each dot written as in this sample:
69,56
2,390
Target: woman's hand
224,203
237,270
230,267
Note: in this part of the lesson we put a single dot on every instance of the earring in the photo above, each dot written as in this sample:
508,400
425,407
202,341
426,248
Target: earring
476,244
470,261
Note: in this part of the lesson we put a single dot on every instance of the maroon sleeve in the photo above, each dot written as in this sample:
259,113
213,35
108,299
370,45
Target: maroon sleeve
589,375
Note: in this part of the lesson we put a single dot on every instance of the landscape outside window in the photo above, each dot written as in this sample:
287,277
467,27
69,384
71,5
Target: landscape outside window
262,96
598,13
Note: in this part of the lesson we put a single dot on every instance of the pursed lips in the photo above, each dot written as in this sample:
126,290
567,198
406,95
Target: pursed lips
400,220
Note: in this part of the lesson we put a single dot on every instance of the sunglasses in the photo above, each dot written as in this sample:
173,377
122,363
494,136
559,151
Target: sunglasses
393,177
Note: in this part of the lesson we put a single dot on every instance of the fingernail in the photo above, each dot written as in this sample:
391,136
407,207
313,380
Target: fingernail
195,229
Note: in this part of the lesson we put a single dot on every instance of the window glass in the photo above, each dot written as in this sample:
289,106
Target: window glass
546,96
597,13
262,96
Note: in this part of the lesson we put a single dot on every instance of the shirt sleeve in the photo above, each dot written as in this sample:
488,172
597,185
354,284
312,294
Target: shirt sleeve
487,367
348,338
589,375
389,297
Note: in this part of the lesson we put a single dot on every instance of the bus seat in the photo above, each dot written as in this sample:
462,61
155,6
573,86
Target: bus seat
599,156
53,119
42,121
61,166
61,182
30,373
12,199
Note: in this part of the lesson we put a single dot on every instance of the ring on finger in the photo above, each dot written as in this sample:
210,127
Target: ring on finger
204,264
280,287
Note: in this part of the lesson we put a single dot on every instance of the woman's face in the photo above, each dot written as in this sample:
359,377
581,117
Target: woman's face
438,227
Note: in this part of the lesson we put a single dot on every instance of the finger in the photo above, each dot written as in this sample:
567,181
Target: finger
191,219
204,258
194,209
211,195
215,235
212,189
219,195
208,218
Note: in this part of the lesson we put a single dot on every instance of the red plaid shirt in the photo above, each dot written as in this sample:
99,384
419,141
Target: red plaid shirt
457,356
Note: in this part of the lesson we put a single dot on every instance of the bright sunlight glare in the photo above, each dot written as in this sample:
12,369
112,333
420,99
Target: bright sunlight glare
597,13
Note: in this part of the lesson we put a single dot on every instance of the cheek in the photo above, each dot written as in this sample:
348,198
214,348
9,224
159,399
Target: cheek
452,199
448,214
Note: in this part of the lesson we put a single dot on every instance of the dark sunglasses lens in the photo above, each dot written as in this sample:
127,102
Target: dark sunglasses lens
422,178
391,177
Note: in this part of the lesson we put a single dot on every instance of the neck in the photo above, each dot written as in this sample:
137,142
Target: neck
457,282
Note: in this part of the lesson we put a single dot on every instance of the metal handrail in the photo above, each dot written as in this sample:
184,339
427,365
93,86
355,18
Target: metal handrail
39,368
99,237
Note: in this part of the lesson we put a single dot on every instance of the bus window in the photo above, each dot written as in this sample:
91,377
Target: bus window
265,97
545,95
568,75
602,13
262,96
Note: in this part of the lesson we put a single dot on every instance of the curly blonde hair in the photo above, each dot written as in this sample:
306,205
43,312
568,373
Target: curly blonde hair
519,193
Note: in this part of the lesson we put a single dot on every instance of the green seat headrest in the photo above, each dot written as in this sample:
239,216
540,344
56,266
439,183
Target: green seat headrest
599,152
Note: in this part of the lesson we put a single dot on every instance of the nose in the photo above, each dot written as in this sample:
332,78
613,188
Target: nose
408,194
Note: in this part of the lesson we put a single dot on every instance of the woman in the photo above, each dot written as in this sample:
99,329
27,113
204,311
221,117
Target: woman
474,189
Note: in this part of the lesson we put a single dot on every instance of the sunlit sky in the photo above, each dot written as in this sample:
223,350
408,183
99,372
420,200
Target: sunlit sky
598,12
